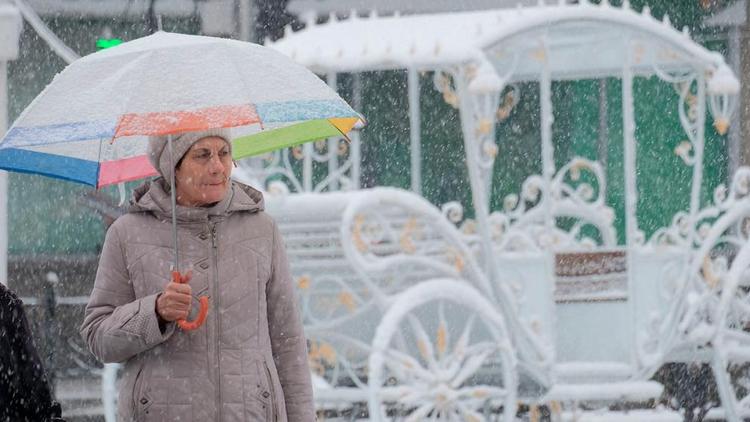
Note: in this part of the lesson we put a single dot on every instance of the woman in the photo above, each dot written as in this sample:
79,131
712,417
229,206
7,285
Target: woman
248,362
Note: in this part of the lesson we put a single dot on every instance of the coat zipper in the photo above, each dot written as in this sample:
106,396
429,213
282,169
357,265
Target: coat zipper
273,392
217,307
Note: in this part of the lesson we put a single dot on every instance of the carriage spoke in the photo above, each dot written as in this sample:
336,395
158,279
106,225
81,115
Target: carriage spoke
423,342
472,364
463,341
469,415
415,396
443,334
484,392
456,357
420,413
406,365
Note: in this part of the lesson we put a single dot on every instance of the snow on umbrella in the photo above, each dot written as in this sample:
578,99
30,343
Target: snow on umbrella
89,125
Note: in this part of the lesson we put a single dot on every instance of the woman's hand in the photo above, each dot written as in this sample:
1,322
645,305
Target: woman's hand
175,302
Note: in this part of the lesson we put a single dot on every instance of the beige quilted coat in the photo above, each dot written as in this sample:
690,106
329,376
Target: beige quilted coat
248,362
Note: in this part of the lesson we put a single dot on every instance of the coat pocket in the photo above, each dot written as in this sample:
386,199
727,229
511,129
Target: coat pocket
270,393
126,401
257,408
141,400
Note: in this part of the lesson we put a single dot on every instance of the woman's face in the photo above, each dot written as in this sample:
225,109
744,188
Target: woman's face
202,177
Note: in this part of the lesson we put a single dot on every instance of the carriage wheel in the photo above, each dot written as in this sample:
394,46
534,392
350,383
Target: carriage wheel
442,352
731,358
731,345
733,383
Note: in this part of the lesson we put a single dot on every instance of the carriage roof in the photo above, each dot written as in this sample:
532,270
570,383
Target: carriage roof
595,47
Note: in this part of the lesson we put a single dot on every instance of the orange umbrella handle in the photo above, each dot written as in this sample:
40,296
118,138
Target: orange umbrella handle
202,313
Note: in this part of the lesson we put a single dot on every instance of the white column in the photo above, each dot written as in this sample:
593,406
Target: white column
735,129
698,144
3,176
415,131
333,143
631,192
479,199
744,95
355,136
307,166
10,32
246,15
548,149
628,126
603,138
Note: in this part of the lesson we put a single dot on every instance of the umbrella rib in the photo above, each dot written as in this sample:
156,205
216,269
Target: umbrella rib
245,89
136,81
99,162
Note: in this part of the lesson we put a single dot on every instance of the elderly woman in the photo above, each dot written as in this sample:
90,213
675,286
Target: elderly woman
248,362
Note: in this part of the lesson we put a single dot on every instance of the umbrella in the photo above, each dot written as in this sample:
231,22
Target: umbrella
91,123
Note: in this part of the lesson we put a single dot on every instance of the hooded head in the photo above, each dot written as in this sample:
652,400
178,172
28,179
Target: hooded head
158,150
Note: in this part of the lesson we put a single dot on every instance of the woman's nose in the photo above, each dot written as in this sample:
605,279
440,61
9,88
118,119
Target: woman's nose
214,164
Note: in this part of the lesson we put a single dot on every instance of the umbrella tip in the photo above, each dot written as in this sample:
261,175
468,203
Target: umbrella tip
158,23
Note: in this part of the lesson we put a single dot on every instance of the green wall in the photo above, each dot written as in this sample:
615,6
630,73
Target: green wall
664,180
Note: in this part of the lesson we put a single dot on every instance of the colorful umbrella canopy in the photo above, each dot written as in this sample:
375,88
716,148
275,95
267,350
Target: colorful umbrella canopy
90,125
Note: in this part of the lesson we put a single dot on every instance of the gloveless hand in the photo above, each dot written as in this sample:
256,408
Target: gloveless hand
175,302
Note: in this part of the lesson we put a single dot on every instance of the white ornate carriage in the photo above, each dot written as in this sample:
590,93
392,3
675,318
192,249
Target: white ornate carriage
416,312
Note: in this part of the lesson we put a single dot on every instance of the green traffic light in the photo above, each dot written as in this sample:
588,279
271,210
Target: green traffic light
103,43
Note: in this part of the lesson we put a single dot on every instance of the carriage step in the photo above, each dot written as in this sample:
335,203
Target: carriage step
592,372
634,391
718,414
650,415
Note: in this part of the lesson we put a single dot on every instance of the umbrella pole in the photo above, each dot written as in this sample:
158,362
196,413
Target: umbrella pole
173,196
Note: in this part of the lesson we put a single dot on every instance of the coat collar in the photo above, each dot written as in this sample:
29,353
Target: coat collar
153,196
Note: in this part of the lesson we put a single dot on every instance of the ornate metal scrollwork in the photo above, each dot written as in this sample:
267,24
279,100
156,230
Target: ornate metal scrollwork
577,193
287,167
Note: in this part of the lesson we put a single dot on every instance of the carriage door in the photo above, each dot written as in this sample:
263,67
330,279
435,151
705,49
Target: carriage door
591,303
